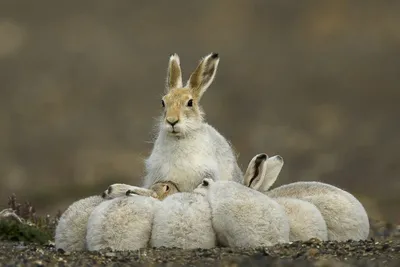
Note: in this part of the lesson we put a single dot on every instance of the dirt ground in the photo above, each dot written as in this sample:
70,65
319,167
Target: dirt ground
310,253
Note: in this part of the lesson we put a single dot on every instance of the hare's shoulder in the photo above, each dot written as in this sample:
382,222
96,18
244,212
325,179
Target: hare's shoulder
221,144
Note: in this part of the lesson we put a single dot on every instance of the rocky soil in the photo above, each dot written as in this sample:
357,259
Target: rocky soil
310,253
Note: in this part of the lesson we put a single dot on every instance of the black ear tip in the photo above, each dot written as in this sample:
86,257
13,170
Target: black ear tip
214,55
205,183
103,195
262,156
128,192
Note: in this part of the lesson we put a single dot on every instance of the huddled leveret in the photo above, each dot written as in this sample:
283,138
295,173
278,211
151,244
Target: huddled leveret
126,222
344,215
242,217
183,220
71,230
305,219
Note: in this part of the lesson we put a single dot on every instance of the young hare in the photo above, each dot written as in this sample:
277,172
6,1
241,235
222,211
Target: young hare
187,149
305,219
125,223
243,217
71,228
122,223
344,215
183,220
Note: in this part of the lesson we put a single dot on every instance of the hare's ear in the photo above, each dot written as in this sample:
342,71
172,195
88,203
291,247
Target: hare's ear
255,173
206,182
274,167
203,75
174,75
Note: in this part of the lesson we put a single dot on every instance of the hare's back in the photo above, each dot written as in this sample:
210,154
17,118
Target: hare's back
123,223
225,156
71,229
183,220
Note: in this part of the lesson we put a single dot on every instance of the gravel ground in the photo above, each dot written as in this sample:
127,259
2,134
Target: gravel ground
310,253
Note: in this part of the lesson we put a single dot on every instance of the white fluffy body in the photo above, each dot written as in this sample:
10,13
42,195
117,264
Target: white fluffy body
344,215
305,219
183,220
122,223
243,217
71,229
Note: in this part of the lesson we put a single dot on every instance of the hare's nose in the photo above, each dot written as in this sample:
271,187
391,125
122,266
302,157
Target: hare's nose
172,121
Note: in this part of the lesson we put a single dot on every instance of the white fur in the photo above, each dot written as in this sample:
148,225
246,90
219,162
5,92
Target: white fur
71,229
305,219
122,223
243,217
201,151
183,220
344,215
119,190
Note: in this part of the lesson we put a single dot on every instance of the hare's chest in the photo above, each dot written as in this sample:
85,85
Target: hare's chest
186,168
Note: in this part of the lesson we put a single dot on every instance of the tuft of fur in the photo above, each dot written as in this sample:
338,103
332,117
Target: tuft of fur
243,217
71,229
305,219
122,223
186,148
183,220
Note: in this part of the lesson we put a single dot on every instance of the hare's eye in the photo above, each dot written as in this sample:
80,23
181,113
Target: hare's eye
163,103
190,103
166,188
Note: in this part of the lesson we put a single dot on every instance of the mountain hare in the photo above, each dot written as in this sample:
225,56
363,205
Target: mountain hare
187,149
305,219
71,228
243,217
125,223
183,220
344,215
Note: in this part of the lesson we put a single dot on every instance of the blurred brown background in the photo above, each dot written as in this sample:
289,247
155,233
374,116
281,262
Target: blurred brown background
314,81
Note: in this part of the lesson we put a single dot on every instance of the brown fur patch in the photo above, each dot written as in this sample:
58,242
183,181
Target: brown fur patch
176,100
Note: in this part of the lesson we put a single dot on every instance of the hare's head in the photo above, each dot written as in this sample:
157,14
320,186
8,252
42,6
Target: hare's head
263,171
182,112
164,189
